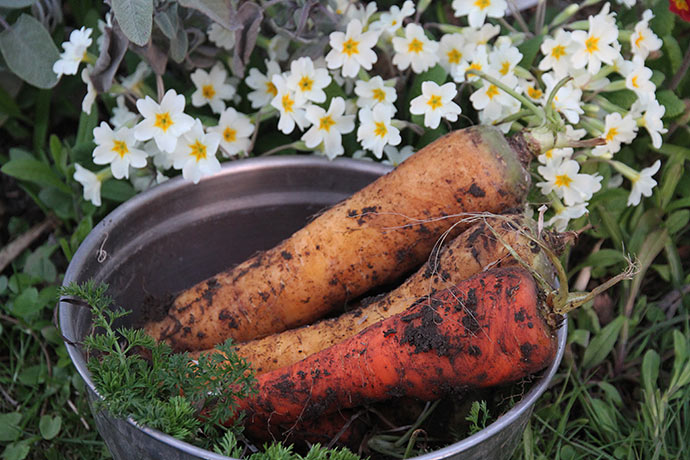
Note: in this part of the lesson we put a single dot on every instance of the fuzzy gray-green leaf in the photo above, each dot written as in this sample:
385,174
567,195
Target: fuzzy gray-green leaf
135,18
29,52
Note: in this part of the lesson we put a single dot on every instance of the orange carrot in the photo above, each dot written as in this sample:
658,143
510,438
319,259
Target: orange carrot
491,329
373,238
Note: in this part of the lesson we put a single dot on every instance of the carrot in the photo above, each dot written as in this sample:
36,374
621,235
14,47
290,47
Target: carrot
491,329
476,249
376,236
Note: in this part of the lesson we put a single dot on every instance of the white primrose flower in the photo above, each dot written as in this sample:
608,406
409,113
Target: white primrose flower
642,184
161,160
597,44
651,118
195,154
567,100
122,116
477,36
557,53
118,149
352,49
74,52
306,81
508,107
91,183
143,180
451,50
394,156
436,102
212,88
555,155
617,130
559,221
390,21
563,178
490,99
264,89
235,130
643,40
328,127
376,129
504,57
478,10
415,50
638,79
291,113
221,36
375,91
478,59
278,48
91,93
133,82
163,122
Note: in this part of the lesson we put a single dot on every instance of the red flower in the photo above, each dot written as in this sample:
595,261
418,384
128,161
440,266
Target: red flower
681,8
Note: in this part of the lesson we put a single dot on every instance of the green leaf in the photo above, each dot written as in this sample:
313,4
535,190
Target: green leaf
50,426
3,284
677,221
650,370
16,451
217,10
602,344
26,303
35,171
663,21
33,375
611,393
87,122
179,45
11,429
29,52
135,18
117,190
16,3
529,49
579,336
674,105
680,348
605,258
39,265
673,53
604,415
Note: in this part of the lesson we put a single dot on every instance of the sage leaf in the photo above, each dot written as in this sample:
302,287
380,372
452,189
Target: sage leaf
217,10
135,18
30,52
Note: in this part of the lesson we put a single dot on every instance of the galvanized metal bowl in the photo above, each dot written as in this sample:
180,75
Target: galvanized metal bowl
178,233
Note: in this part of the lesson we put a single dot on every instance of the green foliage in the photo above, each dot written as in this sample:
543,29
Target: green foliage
478,416
167,391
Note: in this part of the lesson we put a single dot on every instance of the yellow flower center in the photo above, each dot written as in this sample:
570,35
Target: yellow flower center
163,121
534,93
287,103
394,22
639,39
563,180
482,4
197,150
120,147
350,47
380,128
549,154
208,91
505,68
434,102
558,52
306,83
592,44
681,5
633,81
475,66
326,122
492,91
415,46
454,56
229,134
271,89
611,134
378,94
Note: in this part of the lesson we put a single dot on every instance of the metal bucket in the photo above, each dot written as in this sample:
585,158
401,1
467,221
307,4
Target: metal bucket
178,233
